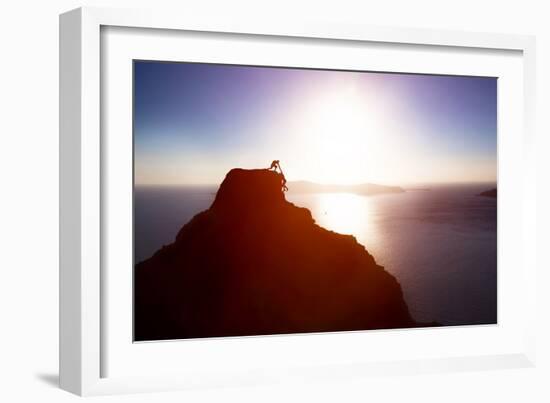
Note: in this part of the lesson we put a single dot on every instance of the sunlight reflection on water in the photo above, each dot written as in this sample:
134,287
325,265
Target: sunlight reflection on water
343,212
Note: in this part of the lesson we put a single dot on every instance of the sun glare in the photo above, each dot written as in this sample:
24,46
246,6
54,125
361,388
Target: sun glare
340,131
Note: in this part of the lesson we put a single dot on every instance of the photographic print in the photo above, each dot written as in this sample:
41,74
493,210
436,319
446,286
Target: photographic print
279,200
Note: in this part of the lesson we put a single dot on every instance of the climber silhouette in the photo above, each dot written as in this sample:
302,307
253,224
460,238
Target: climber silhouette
276,166
283,181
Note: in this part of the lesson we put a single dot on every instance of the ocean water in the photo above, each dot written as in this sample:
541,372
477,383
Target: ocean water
440,244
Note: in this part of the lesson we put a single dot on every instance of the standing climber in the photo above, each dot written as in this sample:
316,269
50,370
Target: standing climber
275,165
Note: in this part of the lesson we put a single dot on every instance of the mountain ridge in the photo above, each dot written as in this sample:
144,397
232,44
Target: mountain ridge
254,264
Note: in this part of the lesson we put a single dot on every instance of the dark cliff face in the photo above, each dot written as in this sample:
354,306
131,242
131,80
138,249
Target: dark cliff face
256,264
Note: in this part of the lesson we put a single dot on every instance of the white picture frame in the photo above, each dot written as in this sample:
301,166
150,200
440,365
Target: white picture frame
83,169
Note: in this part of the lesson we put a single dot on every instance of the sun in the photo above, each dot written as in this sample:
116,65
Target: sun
340,129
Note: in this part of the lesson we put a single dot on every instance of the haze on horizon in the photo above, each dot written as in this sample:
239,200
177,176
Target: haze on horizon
194,122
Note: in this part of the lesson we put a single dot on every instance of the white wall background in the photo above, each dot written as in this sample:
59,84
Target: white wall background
29,201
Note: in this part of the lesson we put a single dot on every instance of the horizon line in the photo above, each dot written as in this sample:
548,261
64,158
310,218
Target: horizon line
409,184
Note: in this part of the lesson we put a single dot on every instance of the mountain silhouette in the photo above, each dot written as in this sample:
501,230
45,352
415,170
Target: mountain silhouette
256,264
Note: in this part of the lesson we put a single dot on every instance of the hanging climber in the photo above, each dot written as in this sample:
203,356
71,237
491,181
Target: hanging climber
283,182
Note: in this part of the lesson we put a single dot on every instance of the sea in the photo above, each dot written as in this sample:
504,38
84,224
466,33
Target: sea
439,241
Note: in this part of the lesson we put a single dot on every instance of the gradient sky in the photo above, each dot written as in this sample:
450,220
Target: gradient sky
194,122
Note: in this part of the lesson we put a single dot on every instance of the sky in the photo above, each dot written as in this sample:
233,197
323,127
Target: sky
193,122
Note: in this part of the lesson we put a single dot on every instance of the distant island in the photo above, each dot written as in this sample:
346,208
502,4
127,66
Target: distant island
360,189
489,193
418,189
